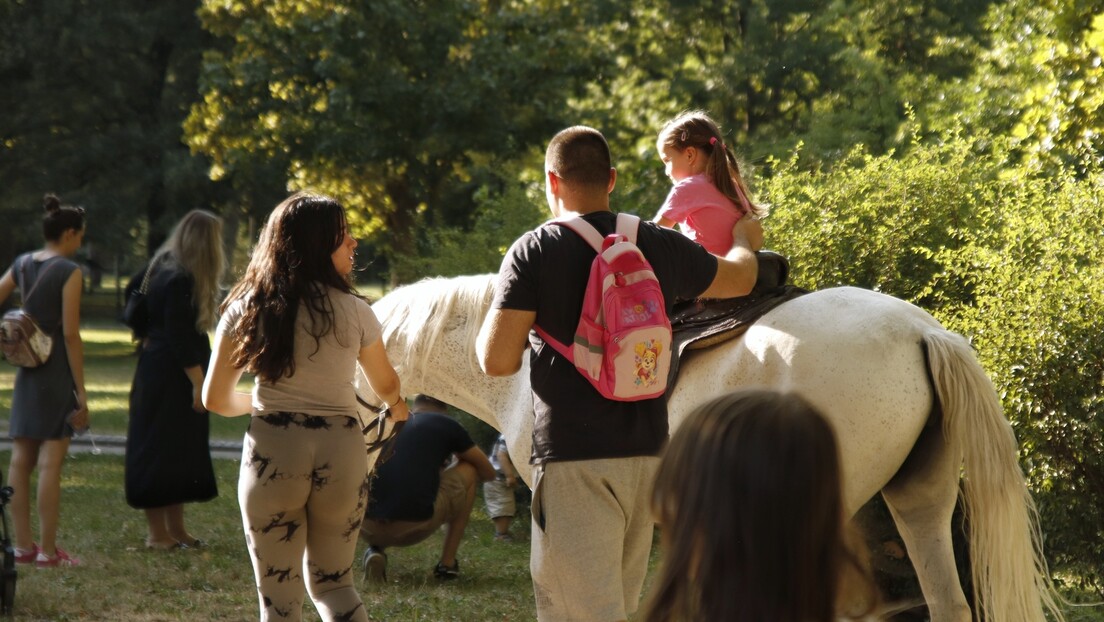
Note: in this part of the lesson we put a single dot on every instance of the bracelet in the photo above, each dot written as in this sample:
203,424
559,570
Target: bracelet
390,406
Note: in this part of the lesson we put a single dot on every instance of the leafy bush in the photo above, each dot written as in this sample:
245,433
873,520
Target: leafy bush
877,221
1036,321
1006,257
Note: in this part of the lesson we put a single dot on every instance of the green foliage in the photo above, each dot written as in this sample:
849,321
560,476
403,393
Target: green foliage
93,94
1036,321
504,213
828,74
1010,259
876,221
397,107
1037,86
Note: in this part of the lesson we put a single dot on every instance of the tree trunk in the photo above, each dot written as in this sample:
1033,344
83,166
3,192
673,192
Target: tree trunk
400,230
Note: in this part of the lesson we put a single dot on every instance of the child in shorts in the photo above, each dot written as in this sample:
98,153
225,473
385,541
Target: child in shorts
499,492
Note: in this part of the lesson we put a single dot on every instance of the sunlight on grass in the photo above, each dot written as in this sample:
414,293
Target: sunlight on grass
121,580
109,361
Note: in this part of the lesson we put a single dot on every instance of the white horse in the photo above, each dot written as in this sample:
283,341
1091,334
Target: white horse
913,410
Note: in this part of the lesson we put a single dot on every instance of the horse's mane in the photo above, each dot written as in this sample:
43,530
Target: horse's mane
414,317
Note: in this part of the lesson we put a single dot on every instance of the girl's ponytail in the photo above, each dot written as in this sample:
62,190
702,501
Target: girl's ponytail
696,129
728,169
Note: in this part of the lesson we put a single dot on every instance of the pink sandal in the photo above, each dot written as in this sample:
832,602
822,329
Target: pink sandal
60,558
26,556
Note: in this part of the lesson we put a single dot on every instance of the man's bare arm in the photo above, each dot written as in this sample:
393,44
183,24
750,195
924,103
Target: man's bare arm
503,339
738,270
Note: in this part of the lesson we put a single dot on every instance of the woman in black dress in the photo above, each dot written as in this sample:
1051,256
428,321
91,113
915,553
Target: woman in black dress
168,462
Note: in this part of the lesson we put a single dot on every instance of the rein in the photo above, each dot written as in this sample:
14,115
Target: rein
376,437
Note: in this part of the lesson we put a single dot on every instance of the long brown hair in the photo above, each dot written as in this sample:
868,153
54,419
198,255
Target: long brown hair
696,129
291,266
750,502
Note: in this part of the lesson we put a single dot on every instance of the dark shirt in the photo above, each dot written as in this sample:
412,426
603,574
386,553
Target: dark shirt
405,486
172,312
546,271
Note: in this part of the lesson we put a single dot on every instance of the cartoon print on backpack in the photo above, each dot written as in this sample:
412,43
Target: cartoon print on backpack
639,313
647,358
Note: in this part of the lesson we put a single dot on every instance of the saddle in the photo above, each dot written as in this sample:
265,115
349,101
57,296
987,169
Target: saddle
703,322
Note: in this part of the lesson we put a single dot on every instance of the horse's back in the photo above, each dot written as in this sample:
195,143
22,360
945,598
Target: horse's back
854,353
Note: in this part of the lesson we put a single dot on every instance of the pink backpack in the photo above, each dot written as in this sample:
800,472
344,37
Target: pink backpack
623,342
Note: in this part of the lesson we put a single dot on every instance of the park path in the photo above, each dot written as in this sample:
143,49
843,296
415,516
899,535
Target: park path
116,445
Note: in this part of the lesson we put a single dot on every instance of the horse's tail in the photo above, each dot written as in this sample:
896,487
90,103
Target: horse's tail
1011,580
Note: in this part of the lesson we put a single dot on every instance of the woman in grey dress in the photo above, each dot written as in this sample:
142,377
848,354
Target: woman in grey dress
49,401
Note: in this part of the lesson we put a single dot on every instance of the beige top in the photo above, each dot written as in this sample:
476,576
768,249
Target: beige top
323,380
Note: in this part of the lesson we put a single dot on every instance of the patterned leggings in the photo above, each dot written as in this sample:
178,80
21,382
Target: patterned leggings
302,492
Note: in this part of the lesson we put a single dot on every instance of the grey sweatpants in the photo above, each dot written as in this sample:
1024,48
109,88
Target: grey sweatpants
302,490
592,534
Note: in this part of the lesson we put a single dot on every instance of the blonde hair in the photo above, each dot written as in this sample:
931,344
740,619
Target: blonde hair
195,245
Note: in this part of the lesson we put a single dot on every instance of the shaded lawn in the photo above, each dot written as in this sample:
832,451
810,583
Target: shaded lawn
109,361
121,580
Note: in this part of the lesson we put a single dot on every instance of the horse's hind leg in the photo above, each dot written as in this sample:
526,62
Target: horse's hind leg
921,498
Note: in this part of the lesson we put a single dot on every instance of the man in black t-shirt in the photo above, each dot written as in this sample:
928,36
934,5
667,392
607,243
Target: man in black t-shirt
420,487
594,459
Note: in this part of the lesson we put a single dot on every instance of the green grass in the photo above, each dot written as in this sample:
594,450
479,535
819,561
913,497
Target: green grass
121,580
109,361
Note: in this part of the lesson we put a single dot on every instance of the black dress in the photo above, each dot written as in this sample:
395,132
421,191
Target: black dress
168,460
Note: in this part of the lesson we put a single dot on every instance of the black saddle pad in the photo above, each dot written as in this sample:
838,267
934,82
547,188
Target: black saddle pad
706,322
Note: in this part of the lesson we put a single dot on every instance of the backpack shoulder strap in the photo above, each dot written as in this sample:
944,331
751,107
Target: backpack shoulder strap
556,344
584,229
38,279
26,295
19,271
628,225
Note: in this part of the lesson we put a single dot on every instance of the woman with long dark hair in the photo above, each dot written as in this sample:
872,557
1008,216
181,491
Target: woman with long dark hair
750,502
49,402
168,461
297,324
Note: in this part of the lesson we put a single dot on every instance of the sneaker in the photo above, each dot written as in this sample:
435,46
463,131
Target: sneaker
26,556
60,558
503,537
447,572
375,565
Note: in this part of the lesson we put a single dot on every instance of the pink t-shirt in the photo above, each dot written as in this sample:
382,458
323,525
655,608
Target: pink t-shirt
703,213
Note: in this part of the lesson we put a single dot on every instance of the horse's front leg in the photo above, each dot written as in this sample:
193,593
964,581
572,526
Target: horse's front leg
921,497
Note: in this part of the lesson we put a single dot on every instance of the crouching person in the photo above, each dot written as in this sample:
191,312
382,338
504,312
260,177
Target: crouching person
421,487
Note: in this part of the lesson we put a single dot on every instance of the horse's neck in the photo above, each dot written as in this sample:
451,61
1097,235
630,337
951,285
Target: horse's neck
471,390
